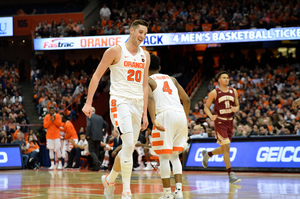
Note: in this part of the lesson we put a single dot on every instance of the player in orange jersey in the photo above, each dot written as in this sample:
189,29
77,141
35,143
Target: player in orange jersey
52,122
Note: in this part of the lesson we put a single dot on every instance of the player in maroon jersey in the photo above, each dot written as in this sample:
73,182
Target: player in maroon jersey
226,103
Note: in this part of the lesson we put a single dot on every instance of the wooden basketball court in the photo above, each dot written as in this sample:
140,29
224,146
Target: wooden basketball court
76,184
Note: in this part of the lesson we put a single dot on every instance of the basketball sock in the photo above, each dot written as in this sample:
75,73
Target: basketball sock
112,176
52,162
167,191
210,154
179,186
126,174
229,170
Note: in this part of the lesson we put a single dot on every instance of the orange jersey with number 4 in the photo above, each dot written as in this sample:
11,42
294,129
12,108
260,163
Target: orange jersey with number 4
165,94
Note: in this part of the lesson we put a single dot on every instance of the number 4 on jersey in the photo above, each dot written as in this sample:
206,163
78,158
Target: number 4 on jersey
166,88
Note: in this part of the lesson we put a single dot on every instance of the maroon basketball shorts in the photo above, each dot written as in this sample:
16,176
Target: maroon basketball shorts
223,129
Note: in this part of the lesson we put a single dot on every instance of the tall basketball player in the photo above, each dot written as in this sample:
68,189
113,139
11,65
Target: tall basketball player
226,104
129,65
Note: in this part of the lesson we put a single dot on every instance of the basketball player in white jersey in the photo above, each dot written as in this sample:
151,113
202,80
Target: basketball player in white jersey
165,94
129,65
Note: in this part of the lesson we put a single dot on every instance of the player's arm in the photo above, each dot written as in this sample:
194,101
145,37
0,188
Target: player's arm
47,121
211,97
186,102
296,103
236,106
151,105
68,132
58,121
145,89
108,58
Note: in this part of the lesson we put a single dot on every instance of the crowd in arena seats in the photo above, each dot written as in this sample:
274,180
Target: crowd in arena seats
14,124
192,16
12,113
63,86
265,92
61,29
37,8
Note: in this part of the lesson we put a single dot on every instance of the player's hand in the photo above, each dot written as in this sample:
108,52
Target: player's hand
234,109
145,122
158,126
87,110
87,153
296,103
214,117
72,141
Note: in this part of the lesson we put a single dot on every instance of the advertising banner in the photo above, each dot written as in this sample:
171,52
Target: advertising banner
10,156
164,39
262,154
6,26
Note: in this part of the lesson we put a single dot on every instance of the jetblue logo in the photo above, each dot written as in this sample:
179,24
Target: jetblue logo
215,158
3,157
278,154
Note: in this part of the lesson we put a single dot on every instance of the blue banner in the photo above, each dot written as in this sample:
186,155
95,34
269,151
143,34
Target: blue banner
10,156
6,26
165,39
268,154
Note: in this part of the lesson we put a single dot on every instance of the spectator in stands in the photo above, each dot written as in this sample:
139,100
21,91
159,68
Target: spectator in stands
192,116
55,33
80,25
249,130
22,143
297,128
63,29
239,130
104,12
72,32
198,132
264,130
32,150
107,30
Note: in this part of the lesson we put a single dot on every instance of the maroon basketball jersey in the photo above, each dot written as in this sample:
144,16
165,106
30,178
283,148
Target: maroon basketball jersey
223,102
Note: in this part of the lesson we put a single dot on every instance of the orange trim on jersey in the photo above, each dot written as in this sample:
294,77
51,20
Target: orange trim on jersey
153,127
115,115
156,135
177,148
158,143
164,151
113,109
117,123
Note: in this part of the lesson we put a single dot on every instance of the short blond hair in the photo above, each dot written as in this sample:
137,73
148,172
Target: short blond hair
138,22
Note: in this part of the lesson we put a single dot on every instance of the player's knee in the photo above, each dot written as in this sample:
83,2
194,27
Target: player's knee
128,147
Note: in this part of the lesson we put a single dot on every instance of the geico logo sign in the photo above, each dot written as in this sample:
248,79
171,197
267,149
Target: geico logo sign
278,154
57,43
214,158
3,157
